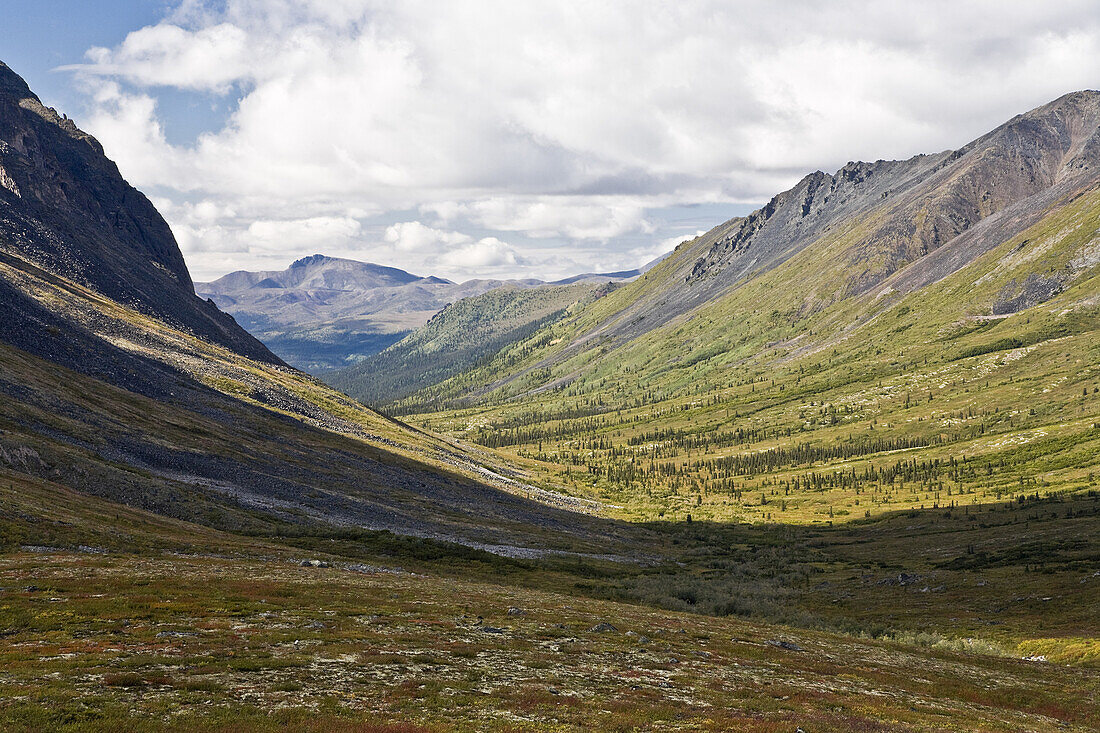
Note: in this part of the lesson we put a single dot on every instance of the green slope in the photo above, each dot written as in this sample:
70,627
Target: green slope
460,337
800,393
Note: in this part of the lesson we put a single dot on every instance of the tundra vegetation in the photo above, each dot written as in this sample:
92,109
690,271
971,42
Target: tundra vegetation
829,500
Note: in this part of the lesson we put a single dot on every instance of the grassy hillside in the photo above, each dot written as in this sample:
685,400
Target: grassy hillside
461,337
887,401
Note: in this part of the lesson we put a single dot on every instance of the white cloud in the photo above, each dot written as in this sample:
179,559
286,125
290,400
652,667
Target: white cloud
218,240
127,126
296,234
487,252
548,216
210,58
549,122
412,236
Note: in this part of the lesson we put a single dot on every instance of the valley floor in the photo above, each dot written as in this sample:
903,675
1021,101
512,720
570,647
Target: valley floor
183,642
115,618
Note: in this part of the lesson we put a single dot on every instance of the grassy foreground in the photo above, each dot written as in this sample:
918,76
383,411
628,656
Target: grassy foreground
110,642
910,623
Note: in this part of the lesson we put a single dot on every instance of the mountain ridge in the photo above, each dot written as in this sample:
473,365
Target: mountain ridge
315,271
323,313
65,207
859,253
823,332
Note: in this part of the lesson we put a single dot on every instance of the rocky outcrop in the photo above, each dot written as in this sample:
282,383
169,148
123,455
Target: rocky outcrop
917,205
64,207
1035,289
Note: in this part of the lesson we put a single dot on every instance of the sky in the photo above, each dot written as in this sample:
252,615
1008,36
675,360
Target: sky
519,139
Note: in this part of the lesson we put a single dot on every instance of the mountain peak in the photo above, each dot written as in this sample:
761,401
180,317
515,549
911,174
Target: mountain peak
14,91
65,208
1082,98
315,272
311,260
13,86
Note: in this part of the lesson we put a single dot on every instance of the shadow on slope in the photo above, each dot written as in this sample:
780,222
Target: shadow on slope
154,418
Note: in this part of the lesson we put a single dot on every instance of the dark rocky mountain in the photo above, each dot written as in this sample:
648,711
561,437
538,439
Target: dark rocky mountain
117,381
64,207
324,313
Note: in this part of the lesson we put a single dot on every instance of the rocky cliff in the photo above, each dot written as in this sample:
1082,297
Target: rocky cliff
65,208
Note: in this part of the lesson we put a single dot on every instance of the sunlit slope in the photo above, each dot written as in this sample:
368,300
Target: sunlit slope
460,337
803,394
830,239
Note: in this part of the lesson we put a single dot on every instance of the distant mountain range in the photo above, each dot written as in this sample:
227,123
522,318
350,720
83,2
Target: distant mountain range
324,313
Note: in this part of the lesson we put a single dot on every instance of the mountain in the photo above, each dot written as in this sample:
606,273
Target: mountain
947,306
65,208
119,383
469,332
316,273
324,313
869,220
886,228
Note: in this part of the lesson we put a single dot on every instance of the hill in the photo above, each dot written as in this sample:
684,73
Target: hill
459,337
325,313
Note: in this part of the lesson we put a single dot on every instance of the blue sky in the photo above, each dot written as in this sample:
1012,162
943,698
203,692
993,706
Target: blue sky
498,138
40,37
